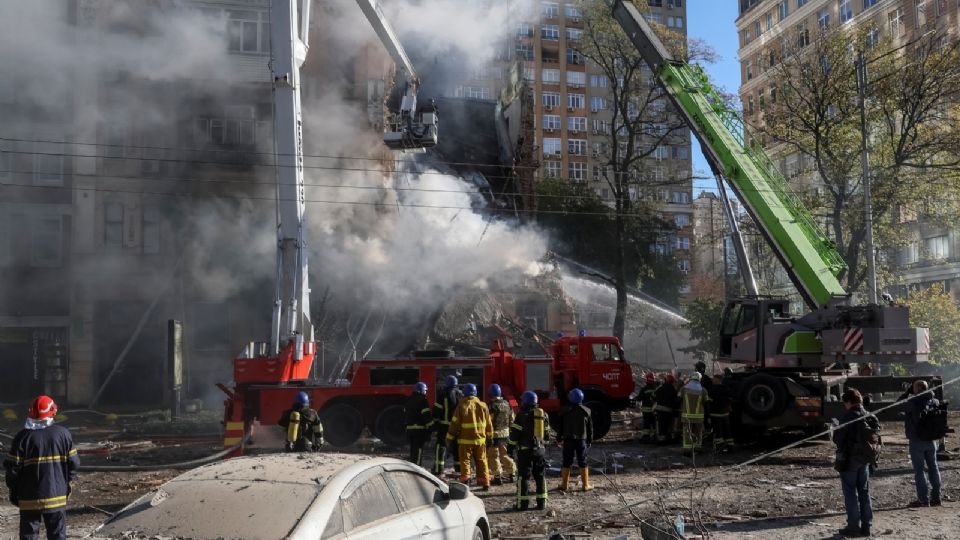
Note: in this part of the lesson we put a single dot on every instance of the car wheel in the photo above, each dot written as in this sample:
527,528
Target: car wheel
390,426
342,424
478,533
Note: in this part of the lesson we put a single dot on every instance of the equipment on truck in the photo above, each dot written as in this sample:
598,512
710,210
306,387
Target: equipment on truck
793,362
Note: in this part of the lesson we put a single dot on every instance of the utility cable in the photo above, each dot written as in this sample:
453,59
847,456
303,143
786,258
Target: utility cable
751,461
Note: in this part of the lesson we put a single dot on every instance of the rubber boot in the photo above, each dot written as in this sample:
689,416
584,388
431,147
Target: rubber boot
564,478
585,479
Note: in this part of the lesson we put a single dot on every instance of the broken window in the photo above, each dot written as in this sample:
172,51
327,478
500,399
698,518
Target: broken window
370,501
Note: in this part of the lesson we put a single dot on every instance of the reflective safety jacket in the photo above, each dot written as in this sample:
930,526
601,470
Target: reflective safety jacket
501,414
444,407
576,424
665,397
692,399
418,413
471,423
529,430
646,397
39,467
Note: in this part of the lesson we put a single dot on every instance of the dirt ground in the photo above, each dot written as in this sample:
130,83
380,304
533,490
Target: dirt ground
793,495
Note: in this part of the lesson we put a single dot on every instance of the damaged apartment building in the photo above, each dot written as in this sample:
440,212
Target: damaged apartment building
125,164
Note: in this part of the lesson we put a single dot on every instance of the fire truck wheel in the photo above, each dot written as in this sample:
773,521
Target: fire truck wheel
764,396
600,414
390,426
342,424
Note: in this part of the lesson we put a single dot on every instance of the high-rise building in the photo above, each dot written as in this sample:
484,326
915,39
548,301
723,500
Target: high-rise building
932,254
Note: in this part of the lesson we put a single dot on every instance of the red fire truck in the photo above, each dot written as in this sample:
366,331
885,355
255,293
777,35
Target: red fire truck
372,394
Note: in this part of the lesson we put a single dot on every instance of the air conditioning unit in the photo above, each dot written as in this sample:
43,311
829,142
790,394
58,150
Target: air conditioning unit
557,153
570,109
594,109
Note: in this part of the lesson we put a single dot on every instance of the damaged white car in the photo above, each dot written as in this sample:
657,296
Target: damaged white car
304,496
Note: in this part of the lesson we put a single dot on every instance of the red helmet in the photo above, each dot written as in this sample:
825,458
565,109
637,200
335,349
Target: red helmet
669,378
650,377
42,408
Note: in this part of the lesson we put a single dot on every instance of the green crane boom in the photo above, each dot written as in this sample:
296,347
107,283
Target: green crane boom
809,257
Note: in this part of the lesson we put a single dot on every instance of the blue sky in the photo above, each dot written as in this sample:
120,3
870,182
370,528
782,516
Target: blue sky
713,21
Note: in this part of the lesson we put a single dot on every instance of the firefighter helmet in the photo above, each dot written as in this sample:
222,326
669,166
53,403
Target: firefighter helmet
420,388
494,390
451,381
469,389
700,366
302,399
575,396
668,378
528,398
42,408
695,376
650,377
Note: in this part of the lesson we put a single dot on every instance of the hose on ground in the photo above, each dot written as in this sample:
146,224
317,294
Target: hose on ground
165,466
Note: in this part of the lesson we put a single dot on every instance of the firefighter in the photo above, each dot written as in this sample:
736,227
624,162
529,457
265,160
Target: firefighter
40,465
304,430
501,415
647,399
442,413
721,403
692,399
419,421
575,433
527,435
706,382
665,402
470,428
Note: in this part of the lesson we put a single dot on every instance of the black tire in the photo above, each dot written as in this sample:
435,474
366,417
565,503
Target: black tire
342,424
478,533
600,414
390,426
763,397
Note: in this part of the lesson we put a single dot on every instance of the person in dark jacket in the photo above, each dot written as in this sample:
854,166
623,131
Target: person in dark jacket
304,430
922,453
442,415
575,433
855,476
720,404
419,421
646,407
667,405
40,466
528,434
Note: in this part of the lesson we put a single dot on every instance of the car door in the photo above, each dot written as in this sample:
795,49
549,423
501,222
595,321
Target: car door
371,511
426,503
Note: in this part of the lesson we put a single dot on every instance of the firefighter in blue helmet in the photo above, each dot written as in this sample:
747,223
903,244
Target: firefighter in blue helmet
304,430
528,434
575,433
40,465
442,415
419,421
501,415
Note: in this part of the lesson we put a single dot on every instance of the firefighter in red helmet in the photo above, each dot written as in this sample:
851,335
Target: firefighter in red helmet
39,468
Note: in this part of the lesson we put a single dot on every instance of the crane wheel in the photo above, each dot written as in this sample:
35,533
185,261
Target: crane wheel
763,397
390,426
600,414
342,424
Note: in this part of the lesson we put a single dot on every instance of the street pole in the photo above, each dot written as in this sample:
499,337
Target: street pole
865,162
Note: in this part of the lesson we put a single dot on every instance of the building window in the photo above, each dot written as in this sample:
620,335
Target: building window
938,247
869,3
910,253
48,164
750,105
598,81
681,242
943,7
801,3
577,123
577,79
683,265
551,168
598,104
524,51
655,3
574,57
922,11
577,147
681,220
47,239
748,67
551,147
803,36
747,36
572,12
551,99
783,10
524,30
550,10
679,197
578,171
151,229
529,74
550,32
575,101
895,22
873,37
236,126
473,92
574,34
551,121
248,31
113,226
550,76
846,10
823,19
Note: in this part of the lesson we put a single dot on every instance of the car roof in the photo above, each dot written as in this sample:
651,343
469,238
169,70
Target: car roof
264,496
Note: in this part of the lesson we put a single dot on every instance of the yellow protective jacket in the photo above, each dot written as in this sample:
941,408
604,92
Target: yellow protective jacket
692,401
471,423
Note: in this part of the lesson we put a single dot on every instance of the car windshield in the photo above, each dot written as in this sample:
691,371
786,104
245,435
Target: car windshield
214,508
